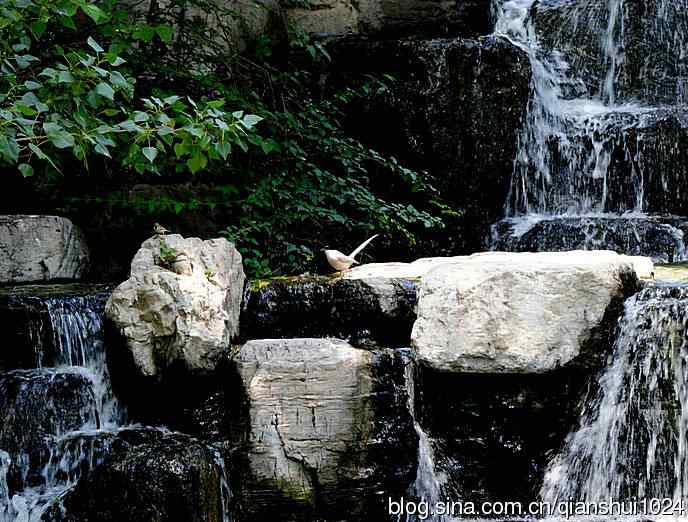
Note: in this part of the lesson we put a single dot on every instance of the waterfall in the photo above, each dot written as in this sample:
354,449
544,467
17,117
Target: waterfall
593,81
77,346
631,441
427,486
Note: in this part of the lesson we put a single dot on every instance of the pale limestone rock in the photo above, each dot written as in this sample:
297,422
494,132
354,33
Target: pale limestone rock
309,405
40,248
643,266
188,315
516,313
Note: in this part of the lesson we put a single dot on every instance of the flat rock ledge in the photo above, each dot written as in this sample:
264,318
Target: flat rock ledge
371,305
41,248
521,313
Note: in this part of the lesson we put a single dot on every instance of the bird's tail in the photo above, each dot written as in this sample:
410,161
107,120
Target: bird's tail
362,246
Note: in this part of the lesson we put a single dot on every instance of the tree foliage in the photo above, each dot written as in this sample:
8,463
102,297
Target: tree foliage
62,93
146,92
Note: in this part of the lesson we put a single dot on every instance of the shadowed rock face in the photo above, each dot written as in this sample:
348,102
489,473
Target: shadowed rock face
492,435
152,475
363,311
325,427
661,239
454,111
392,18
40,248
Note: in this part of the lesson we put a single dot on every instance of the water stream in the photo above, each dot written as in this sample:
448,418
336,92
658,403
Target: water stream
602,71
631,440
75,355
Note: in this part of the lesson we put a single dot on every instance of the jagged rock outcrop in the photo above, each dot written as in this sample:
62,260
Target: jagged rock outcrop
661,239
326,424
150,474
180,306
41,248
520,313
392,17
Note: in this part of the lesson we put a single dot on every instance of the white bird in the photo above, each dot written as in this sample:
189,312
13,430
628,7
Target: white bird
342,262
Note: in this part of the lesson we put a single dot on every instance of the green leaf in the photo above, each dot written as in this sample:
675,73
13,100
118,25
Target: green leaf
31,85
105,91
181,149
65,77
62,140
67,22
165,33
118,80
26,170
95,13
223,149
196,163
38,27
150,153
102,149
250,120
143,32
94,45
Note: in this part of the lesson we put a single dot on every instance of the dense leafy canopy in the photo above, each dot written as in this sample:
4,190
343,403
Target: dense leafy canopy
144,95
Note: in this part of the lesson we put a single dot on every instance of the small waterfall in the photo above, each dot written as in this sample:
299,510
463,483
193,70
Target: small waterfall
76,324
631,440
427,486
601,70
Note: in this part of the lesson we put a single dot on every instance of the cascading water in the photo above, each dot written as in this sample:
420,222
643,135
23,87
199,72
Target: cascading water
631,442
428,483
566,142
76,323
607,78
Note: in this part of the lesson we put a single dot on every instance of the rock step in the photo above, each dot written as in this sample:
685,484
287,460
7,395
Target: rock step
371,310
511,313
660,238
325,426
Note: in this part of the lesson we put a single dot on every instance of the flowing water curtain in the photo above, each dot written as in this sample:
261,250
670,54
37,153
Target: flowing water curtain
631,439
77,327
602,69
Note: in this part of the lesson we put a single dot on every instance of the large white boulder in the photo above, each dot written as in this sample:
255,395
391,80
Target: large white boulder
516,313
40,248
181,303
309,406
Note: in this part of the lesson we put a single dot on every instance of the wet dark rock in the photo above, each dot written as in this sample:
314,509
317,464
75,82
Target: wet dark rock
152,475
338,459
493,435
454,111
361,311
661,238
34,320
36,406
